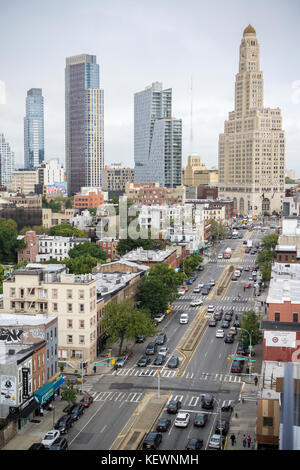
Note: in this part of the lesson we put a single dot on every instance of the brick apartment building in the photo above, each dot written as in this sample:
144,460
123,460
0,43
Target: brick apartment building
152,194
88,198
30,252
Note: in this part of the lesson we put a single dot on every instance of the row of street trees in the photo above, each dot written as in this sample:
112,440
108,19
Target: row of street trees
265,257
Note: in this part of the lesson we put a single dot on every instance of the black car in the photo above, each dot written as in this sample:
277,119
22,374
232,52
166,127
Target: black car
161,339
159,360
218,316
236,323
227,317
173,362
200,419
64,424
200,268
241,350
151,348
152,440
140,339
38,446
60,443
194,444
237,366
222,427
207,286
230,310
205,291
163,424
207,401
225,324
212,322
143,361
228,338
76,411
173,406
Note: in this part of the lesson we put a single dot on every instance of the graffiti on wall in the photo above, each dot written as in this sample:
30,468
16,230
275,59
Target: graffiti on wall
26,334
10,335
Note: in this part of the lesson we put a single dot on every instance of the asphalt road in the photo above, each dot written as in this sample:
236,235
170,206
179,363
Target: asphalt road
116,395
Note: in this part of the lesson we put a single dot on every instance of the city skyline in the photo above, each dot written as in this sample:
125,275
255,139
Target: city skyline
204,43
34,142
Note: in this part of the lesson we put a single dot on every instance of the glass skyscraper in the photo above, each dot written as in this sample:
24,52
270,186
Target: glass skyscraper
6,161
34,151
84,123
157,138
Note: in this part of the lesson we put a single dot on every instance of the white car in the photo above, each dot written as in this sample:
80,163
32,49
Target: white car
182,420
220,256
210,309
220,334
196,303
50,437
197,290
215,441
212,282
200,285
184,318
163,351
159,318
180,291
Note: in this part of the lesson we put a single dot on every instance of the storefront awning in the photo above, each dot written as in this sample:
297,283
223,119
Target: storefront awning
46,392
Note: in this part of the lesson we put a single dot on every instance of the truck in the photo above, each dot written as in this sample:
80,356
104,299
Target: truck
227,253
249,243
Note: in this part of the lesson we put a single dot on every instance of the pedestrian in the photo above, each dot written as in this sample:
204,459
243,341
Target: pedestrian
249,441
41,412
255,380
232,437
253,445
244,440
55,396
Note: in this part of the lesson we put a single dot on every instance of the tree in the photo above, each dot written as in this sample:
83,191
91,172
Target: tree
289,180
38,229
88,249
190,263
1,278
121,321
269,242
66,230
127,244
167,276
9,245
154,296
68,393
250,323
81,264
217,229
54,204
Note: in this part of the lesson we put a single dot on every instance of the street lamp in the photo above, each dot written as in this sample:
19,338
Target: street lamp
250,348
221,428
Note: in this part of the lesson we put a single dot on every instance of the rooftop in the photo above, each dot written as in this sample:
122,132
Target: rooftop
285,283
156,256
10,319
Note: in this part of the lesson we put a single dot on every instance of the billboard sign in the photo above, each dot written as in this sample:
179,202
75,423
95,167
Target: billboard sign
8,390
280,338
57,189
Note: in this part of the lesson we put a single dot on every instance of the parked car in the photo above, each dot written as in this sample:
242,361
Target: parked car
182,420
222,427
200,419
159,318
163,351
173,362
220,256
76,411
161,339
173,406
140,339
152,440
86,400
163,424
194,444
237,366
151,348
120,362
216,441
207,401
232,330
38,446
200,268
236,323
180,291
143,361
64,424
59,444
205,291
50,437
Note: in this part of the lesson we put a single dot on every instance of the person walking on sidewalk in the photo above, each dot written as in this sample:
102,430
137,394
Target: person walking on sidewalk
244,440
233,440
249,441
255,380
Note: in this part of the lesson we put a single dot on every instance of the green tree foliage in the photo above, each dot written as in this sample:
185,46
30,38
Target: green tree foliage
264,258
9,245
88,249
92,211
167,276
217,229
80,265
54,204
289,180
127,244
190,263
269,242
250,323
69,202
1,278
154,296
38,229
66,230
121,321
68,393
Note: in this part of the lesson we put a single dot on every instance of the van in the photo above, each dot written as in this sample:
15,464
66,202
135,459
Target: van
184,318
237,273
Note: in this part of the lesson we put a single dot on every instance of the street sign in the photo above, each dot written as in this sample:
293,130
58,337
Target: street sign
158,372
250,347
100,364
241,359
253,360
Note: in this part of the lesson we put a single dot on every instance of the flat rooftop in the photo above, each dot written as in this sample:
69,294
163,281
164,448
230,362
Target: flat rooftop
148,255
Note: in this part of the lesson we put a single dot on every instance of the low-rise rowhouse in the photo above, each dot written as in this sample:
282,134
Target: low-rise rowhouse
153,257
50,219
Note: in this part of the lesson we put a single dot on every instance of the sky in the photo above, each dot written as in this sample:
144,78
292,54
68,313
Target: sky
137,42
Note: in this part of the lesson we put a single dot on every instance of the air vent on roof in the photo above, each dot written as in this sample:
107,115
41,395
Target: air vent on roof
11,352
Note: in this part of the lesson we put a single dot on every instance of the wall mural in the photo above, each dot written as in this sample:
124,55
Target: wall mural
26,334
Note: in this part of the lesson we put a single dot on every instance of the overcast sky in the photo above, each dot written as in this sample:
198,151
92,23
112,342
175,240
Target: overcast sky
136,43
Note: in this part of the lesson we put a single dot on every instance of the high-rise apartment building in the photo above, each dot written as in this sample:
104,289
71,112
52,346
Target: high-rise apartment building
157,138
34,151
252,147
6,161
84,123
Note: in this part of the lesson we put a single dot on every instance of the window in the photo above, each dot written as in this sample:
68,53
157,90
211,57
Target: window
69,307
277,316
70,323
69,294
295,317
12,292
54,307
81,307
267,421
81,323
81,339
81,294
54,293
70,339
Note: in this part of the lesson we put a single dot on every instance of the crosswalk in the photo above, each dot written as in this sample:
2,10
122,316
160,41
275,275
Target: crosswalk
204,376
237,305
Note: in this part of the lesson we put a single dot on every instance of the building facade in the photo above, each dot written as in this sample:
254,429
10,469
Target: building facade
196,173
34,150
157,138
115,178
84,102
88,198
252,147
6,161
153,194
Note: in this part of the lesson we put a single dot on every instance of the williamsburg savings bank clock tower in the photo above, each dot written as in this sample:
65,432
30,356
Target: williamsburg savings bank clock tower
252,147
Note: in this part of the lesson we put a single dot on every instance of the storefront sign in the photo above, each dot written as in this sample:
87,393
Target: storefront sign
280,339
25,373
8,387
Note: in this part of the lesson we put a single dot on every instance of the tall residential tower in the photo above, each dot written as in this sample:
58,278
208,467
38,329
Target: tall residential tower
157,138
252,147
6,161
34,151
84,123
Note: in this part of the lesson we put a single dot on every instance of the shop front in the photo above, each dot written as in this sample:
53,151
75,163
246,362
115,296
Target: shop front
25,412
46,393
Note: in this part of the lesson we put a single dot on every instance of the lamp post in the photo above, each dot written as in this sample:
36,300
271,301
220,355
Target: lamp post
250,348
221,428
